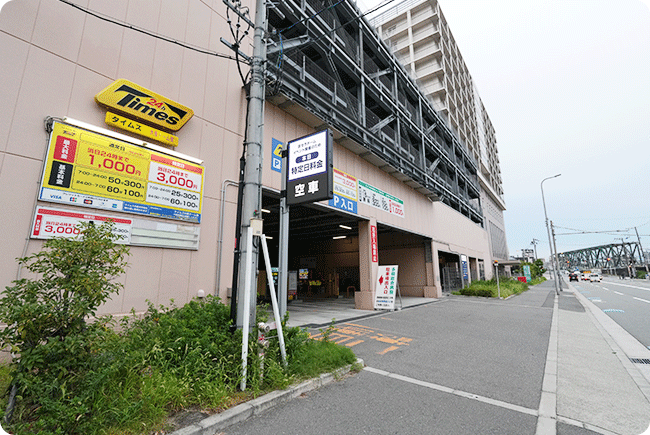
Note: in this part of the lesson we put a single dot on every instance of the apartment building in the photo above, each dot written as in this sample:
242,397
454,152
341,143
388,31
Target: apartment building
421,39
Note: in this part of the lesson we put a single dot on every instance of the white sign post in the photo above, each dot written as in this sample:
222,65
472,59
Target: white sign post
386,288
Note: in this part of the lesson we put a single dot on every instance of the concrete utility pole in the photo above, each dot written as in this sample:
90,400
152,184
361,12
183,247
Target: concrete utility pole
534,243
557,264
252,197
645,260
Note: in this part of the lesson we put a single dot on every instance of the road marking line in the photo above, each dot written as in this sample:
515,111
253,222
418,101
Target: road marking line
459,393
632,286
619,293
388,349
642,300
354,343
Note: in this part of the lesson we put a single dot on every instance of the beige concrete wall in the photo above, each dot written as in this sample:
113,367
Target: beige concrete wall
57,58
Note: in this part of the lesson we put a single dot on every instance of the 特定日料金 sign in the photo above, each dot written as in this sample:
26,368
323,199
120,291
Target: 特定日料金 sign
134,100
89,169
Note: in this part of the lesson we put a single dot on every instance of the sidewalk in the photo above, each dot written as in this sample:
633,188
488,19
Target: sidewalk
319,313
590,385
598,387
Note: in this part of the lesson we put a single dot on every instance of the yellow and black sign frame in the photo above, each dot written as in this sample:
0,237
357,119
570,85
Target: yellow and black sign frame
134,100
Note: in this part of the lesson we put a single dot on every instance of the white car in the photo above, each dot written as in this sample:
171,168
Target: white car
594,277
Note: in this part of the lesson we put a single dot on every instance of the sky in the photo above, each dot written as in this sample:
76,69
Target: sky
566,84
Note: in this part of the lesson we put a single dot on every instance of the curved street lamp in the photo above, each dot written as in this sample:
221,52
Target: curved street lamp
548,231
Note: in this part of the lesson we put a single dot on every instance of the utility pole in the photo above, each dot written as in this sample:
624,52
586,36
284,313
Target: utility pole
557,265
534,243
252,194
645,260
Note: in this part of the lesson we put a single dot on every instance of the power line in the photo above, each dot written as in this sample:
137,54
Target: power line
146,32
386,3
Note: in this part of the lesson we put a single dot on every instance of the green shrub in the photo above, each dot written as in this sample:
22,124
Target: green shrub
47,330
73,377
507,286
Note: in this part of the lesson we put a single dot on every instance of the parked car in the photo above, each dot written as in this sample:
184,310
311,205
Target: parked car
573,276
594,277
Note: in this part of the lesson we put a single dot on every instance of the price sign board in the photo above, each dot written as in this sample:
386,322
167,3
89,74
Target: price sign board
310,168
345,192
50,222
93,170
386,287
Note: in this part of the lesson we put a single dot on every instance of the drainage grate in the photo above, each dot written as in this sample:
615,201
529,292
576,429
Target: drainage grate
640,360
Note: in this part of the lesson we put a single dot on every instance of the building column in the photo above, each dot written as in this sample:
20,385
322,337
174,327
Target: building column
433,289
368,264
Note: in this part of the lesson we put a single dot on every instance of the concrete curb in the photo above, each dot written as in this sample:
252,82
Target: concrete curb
244,411
621,342
547,420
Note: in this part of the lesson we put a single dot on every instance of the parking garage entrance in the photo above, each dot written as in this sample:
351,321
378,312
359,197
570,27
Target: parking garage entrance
326,262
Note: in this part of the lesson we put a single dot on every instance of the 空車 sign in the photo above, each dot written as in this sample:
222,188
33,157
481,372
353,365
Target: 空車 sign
309,168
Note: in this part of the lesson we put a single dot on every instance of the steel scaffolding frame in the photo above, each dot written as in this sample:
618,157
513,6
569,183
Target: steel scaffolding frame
345,77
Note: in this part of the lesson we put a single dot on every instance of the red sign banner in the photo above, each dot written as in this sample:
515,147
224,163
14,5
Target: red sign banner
373,244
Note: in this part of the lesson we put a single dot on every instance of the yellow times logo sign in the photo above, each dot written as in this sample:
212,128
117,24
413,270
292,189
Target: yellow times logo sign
132,99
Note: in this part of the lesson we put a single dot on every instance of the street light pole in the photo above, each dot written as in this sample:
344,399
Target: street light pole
548,231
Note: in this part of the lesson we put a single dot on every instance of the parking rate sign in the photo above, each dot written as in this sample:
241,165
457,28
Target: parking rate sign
310,168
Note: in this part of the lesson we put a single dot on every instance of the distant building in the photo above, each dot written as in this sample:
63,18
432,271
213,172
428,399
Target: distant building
421,39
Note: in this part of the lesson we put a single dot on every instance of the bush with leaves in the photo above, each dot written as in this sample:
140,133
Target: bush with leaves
46,318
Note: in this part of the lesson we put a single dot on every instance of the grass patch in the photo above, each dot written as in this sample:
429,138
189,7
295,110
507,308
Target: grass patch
171,359
488,289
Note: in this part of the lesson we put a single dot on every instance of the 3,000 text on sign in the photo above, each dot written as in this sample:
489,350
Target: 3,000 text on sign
92,170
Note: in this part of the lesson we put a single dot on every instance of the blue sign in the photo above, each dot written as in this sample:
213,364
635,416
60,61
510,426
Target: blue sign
343,203
276,155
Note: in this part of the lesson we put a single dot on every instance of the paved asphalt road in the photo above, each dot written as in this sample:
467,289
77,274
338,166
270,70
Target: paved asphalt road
627,302
456,367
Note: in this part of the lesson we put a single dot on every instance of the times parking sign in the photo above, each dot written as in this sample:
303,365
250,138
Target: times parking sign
309,168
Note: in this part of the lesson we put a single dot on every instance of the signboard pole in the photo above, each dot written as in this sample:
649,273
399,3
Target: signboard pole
274,300
283,245
246,306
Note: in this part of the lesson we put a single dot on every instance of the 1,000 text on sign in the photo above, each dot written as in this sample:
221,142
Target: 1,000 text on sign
89,169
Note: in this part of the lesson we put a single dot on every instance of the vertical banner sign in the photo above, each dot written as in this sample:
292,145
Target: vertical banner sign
345,192
463,260
373,244
527,273
93,170
310,168
377,198
276,155
385,288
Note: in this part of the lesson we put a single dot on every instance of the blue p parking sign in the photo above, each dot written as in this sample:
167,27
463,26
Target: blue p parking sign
276,155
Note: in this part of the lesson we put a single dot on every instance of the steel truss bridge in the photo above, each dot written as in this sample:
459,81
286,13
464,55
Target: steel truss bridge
611,257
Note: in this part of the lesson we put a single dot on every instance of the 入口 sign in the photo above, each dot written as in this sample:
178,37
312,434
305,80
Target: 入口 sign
386,287
345,192
309,168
